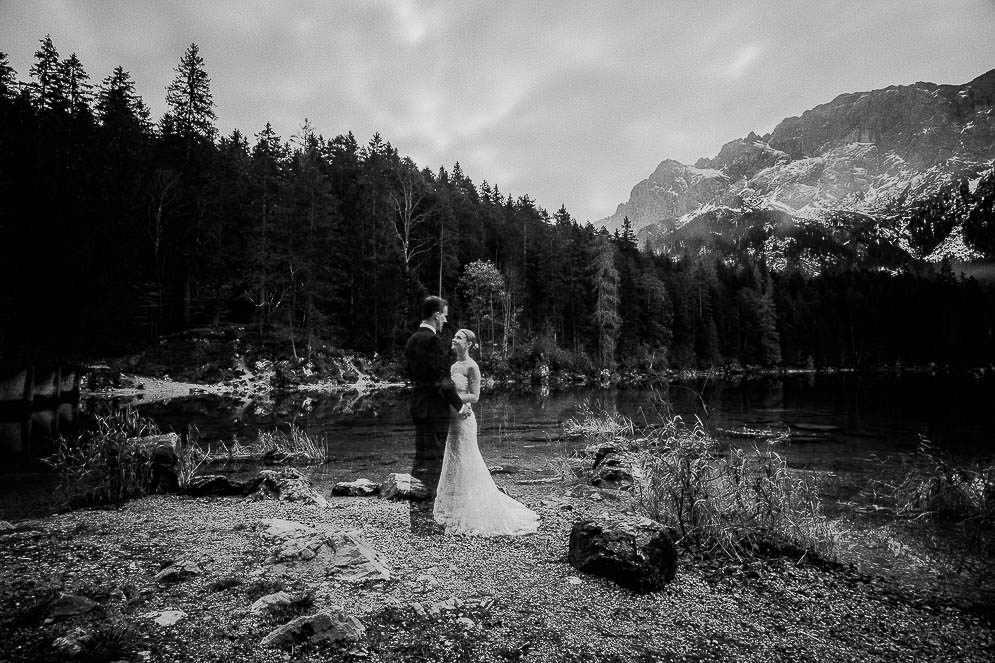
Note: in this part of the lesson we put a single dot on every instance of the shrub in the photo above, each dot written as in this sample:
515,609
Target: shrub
108,464
730,501
934,484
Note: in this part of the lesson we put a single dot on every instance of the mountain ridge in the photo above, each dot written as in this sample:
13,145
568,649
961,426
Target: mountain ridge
886,154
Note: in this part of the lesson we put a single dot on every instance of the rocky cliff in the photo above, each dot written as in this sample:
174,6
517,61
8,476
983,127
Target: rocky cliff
903,164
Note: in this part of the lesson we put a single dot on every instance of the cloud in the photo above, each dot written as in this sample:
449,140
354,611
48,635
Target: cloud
742,61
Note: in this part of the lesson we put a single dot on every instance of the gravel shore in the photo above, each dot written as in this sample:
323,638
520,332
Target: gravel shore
516,598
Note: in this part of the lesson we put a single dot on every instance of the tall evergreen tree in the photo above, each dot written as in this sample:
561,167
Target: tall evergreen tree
120,109
605,280
48,89
79,92
9,87
191,104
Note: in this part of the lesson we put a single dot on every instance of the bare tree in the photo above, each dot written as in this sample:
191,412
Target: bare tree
406,205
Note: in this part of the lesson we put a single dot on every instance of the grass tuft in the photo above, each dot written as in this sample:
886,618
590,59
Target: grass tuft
108,464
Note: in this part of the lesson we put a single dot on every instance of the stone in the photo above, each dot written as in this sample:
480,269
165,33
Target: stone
6,526
270,602
70,605
288,485
612,472
327,551
602,451
221,485
165,460
165,617
399,486
71,644
179,570
331,625
281,529
357,488
634,552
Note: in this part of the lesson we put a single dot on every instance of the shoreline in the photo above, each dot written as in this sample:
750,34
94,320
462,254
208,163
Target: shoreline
153,389
536,603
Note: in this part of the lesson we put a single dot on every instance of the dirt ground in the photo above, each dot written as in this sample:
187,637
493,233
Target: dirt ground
501,599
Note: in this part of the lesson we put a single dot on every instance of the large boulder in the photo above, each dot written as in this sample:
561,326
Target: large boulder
634,552
404,487
288,485
331,625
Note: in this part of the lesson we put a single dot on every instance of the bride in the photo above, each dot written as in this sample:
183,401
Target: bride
467,501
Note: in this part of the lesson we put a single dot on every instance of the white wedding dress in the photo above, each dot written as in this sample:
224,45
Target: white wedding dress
467,501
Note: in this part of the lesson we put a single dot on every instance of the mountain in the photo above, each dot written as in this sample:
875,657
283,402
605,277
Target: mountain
892,175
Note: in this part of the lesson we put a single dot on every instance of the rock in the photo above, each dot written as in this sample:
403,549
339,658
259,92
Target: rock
357,488
71,644
611,473
163,450
465,622
328,551
634,552
288,485
165,617
219,484
179,570
69,605
281,529
404,487
602,451
329,625
270,602
6,526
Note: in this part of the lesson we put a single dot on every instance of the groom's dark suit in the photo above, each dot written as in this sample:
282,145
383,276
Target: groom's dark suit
428,369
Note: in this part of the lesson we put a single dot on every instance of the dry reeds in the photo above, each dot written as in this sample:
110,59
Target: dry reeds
108,464
732,501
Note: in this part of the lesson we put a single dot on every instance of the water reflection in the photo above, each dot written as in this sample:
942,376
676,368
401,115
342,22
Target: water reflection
38,404
838,421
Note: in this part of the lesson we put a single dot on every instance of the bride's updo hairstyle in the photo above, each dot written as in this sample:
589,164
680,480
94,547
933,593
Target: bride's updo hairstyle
471,339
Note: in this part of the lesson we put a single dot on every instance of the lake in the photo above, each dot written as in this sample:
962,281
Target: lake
847,427
839,422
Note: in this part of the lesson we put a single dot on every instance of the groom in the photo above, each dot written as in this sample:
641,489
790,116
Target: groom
428,362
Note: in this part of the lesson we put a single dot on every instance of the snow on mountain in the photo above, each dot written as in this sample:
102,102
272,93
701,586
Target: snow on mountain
881,156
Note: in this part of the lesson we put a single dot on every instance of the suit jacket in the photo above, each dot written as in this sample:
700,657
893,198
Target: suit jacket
428,363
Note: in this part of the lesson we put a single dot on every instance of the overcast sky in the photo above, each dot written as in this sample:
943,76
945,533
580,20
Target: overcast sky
571,102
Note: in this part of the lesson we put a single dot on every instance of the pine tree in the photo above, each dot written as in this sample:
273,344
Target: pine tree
605,280
268,181
120,109
191,104
48,91
79,92
9,87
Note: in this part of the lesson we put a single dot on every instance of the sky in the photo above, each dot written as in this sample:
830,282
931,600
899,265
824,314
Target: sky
571,102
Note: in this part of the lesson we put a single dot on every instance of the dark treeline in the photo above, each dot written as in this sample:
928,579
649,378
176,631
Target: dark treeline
116,229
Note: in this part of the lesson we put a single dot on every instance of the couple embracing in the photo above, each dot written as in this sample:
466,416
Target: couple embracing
447,458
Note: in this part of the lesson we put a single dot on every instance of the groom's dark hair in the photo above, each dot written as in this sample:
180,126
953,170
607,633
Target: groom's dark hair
431,305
